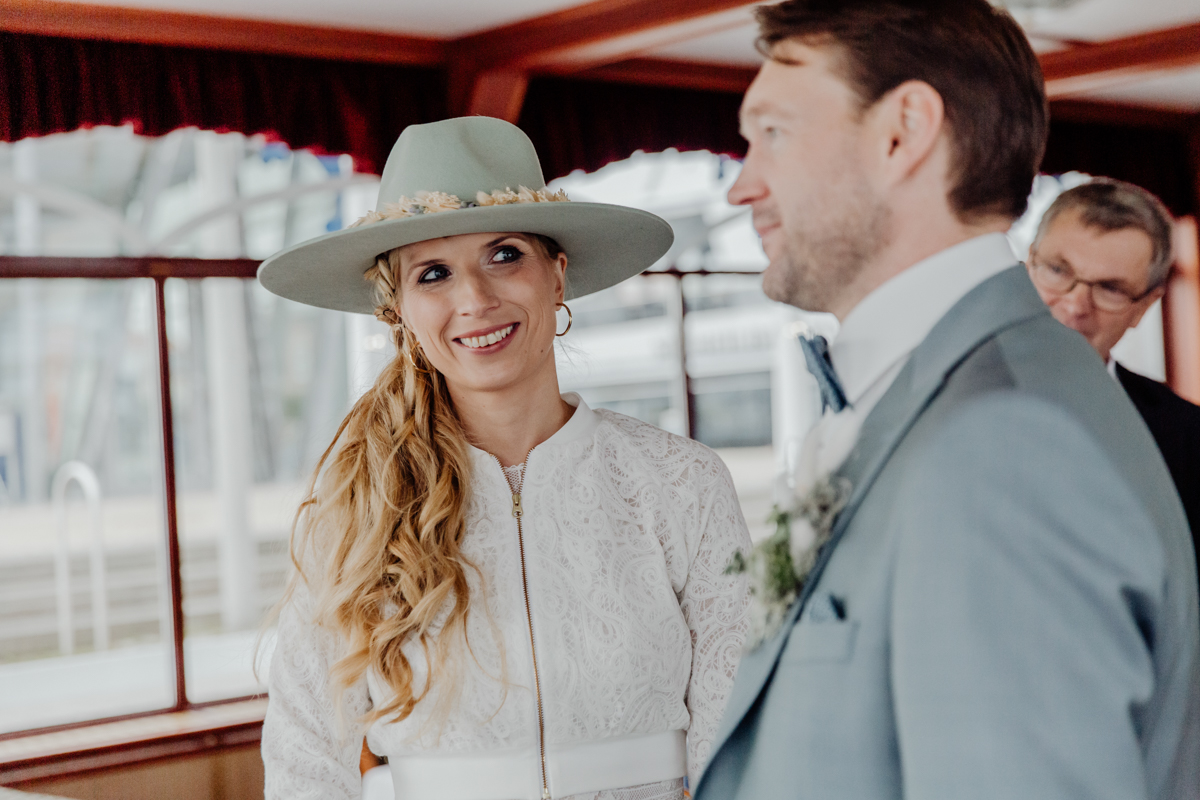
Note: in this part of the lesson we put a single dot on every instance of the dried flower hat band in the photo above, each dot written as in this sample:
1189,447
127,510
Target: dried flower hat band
607,243
437,202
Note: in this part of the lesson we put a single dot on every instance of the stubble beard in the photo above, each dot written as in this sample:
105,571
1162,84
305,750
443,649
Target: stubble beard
826,253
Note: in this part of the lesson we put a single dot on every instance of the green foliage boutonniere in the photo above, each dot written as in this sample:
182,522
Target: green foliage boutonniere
778,566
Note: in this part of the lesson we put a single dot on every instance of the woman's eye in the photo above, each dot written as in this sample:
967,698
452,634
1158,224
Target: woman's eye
507,254
433,274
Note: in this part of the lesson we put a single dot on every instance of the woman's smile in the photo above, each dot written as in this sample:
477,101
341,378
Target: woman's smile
488,340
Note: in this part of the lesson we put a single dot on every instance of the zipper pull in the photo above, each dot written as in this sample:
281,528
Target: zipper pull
517,505
545,794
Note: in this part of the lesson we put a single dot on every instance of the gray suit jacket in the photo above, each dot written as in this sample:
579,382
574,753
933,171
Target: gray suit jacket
1008,606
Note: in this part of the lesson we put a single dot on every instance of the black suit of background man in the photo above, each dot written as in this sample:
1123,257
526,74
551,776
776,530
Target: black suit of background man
1175,425
1101,259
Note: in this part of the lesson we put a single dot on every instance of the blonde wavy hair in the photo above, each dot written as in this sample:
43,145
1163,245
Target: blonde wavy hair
383,521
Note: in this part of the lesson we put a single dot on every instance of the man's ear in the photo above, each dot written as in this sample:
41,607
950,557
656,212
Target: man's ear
1146,302
911,119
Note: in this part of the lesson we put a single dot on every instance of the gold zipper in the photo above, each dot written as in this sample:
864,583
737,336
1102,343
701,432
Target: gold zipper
537,683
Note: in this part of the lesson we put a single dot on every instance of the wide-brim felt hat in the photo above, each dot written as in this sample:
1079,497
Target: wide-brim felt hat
466,175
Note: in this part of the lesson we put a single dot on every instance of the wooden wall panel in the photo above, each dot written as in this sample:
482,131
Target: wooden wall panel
1181,314
235,774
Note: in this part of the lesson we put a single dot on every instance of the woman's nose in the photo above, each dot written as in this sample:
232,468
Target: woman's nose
476,294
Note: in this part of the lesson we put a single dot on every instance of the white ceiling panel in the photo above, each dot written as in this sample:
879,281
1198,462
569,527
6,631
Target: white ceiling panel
1177,91
733,43
446,19
733,46
1100,20
1086,20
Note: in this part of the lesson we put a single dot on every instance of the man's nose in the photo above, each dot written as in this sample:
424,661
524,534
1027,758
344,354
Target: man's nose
749,186
1078,301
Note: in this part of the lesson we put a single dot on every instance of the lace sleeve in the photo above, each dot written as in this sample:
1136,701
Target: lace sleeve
715,606
310,748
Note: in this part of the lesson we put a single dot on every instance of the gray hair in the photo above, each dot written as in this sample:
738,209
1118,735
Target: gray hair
1112,205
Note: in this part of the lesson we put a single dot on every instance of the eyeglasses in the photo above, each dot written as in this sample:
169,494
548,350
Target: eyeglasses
1060,280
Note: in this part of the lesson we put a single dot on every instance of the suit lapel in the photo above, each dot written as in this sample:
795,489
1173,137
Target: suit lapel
998,303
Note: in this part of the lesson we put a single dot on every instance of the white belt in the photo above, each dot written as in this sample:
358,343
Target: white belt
590,766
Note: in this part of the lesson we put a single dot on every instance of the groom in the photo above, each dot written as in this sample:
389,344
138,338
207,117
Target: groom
1007,605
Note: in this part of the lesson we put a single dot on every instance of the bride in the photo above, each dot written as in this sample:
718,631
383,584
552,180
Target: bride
511,595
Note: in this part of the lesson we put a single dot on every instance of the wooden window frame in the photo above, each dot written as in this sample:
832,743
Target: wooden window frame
184,727
110,742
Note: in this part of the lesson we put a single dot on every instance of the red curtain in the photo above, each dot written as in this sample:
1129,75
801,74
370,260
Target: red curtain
577,124
1155,158
49,85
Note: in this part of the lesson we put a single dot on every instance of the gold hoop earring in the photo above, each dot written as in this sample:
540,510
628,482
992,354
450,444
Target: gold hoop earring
570,320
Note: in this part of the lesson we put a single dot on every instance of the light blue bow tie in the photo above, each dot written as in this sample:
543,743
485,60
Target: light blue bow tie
816,356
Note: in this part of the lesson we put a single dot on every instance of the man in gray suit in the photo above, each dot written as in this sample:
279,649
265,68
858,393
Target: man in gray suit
1006,607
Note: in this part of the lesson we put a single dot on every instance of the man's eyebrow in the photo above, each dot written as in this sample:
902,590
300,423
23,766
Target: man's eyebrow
747,115
1112,283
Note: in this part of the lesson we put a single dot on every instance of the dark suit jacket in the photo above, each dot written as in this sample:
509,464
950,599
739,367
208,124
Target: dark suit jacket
1175,425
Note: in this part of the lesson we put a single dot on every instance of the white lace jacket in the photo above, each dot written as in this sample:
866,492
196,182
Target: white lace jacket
627,532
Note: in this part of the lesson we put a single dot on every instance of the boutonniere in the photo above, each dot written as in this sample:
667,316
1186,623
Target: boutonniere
812,496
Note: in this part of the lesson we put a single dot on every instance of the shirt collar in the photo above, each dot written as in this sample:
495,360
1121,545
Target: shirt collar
582,423
892,320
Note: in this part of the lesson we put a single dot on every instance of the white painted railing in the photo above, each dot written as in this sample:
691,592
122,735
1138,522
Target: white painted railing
83,475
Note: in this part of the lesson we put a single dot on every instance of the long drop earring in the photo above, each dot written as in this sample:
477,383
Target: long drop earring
408,350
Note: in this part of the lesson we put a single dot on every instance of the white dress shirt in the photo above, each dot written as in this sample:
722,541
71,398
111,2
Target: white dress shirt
881,332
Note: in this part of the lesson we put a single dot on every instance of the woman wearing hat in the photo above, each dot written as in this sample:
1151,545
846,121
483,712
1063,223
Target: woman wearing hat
512,596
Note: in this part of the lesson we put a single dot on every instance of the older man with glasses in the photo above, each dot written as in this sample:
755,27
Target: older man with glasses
1100,261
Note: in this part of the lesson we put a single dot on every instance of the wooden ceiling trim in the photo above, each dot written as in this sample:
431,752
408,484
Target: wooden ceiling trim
622,47
674,74
49,18
499,93
599,40
556,37
482,65
1090,67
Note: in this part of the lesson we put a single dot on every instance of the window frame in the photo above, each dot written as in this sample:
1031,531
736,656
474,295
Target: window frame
159,270
110,749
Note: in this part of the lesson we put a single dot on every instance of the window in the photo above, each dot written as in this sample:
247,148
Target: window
92,526
133,588
84,631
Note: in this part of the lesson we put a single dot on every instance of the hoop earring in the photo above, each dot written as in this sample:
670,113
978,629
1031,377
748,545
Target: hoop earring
570,320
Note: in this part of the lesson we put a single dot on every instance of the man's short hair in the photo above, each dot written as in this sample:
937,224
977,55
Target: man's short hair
974,55
1112,205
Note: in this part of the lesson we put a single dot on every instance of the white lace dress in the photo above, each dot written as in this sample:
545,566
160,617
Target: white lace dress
617,570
